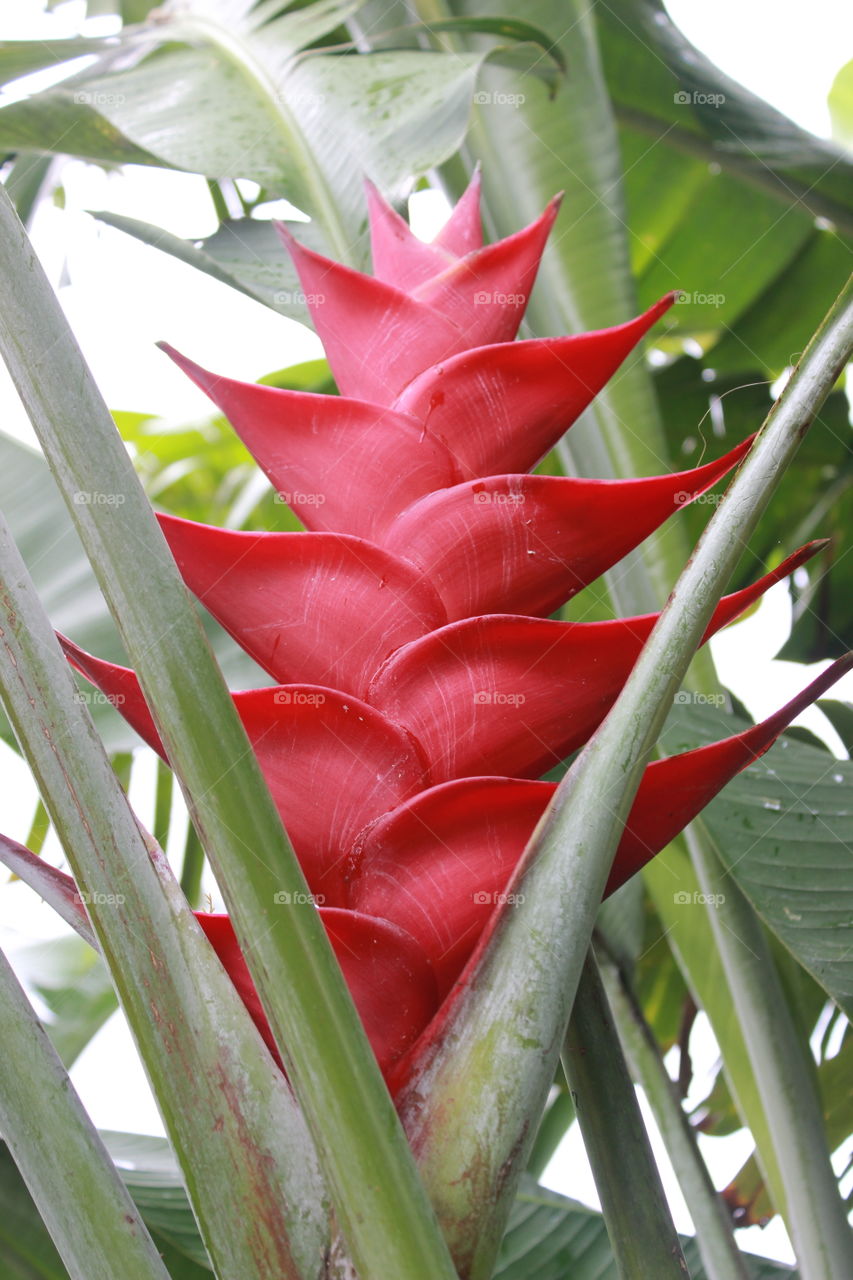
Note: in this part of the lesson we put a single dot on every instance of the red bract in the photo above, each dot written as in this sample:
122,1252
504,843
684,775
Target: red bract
408,628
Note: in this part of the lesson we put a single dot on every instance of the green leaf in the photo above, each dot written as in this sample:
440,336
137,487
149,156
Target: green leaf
73,982
21,57
88,1212
840,716
60,122
550,1237
784,829
28,1253
841,105
678,900
722,194
26,1249
224,94
705,413
668,88
52,549
151,1174
245,253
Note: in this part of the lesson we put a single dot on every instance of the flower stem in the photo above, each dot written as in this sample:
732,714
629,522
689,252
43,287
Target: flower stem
639,1223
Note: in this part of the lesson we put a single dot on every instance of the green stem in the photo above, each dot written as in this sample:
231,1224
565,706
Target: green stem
39,828
718,1249
192,867
220,208
85,1206
380,1201
163,804
816,1217
639,1223
552,1130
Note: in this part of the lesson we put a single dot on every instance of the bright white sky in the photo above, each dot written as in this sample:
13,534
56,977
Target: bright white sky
121,298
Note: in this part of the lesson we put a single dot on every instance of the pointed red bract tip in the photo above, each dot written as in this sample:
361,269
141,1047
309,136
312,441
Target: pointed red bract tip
463,231
399,257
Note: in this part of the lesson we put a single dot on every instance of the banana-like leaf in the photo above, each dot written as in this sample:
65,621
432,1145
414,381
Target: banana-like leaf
785,831
49,543
227,92
28,1253
75,986
550,1237
722,195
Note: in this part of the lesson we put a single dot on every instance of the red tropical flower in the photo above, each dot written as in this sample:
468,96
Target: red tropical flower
421,687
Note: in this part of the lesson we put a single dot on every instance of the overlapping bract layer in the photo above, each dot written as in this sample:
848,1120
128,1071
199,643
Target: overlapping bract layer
407,629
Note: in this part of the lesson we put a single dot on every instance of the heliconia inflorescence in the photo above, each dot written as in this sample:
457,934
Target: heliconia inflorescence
420,686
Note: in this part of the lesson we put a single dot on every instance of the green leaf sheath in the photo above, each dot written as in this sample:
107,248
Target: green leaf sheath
639,1224
93,1221
714,1235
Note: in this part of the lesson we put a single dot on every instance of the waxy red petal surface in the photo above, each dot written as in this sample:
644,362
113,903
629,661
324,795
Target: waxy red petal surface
526,544
501,408
513,695
310,608
344,466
